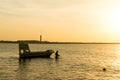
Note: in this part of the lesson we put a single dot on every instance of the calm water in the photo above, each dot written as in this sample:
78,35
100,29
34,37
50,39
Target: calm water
76,62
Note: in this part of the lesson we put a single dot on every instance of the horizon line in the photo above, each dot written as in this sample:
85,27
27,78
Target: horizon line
61,42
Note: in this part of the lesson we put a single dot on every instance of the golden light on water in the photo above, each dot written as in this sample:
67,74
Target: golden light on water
115,60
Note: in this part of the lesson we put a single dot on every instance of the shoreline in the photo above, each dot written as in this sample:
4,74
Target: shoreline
47,42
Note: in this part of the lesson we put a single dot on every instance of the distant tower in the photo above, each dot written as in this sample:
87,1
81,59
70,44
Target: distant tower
40,38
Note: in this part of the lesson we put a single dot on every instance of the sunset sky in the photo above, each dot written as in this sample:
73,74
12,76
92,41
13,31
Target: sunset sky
60,20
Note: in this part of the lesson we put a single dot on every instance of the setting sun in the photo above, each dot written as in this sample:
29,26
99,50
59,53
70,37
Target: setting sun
110,21
114,19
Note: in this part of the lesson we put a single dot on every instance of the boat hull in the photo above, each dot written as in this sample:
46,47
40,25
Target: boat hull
42,54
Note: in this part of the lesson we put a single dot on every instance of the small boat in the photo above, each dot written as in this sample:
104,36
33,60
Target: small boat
24,52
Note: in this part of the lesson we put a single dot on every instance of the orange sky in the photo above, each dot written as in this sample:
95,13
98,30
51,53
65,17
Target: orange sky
60,20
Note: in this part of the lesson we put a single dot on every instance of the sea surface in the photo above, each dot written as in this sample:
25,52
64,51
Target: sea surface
76,62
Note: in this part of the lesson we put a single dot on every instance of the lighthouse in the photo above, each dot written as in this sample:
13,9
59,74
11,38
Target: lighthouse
40,38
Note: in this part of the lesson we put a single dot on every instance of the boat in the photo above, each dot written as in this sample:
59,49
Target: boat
25,52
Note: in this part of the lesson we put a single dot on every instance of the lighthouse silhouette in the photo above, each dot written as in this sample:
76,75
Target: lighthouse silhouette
40,38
